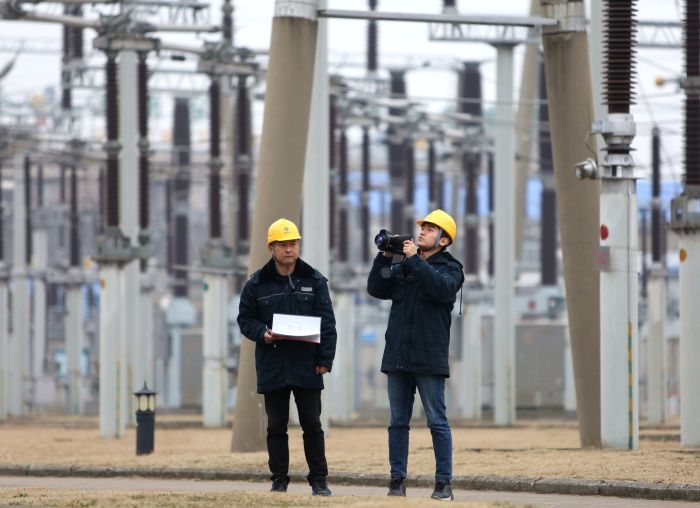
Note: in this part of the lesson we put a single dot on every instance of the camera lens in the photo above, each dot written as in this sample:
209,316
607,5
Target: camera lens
381,240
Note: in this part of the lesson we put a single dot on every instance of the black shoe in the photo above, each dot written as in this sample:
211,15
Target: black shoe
397,487
443,491
320,488
279,485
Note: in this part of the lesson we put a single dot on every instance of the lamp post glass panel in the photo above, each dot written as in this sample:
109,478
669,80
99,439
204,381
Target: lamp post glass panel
145,420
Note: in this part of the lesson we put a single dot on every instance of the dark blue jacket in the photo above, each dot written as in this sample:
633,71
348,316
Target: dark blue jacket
423,293
287,363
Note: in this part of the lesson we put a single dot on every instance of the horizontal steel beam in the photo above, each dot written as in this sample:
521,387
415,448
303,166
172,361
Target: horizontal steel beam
439,18
650,34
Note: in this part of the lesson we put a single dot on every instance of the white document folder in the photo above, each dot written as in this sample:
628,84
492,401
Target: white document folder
301,328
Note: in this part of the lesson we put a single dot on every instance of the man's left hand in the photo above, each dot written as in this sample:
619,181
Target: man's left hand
409,248
320,370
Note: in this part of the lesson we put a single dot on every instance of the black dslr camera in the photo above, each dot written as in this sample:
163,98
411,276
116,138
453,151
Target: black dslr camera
387,242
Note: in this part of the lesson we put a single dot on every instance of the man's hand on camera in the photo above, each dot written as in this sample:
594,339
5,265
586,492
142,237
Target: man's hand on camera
388,254
271,337
409,248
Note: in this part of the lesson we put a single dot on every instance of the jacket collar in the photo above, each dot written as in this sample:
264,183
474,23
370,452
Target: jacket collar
443,257
269,272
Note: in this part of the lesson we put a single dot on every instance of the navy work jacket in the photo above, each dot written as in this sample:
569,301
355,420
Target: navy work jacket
422,292
285,362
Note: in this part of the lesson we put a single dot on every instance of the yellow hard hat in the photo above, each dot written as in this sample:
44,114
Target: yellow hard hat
442,220
282,230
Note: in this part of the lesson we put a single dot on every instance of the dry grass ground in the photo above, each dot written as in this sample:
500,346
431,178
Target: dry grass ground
115,499
536,449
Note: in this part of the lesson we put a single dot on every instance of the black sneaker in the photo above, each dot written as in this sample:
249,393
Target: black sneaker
279,485
443,491
397,487
320,488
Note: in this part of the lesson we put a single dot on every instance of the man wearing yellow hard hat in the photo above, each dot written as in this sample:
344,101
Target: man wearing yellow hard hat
288,285
423,288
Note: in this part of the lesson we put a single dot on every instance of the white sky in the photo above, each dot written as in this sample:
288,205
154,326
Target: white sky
403,42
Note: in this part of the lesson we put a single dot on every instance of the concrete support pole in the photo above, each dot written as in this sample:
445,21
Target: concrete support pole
341,385
656,295
569,381
215,333
619,403
690,339
656,347
685,221
39,264
174,399
4,349
568,78
316,224
112,359
504,214
525,131
179,316
19,344
129,224
470,393
279,192
74,348
146,329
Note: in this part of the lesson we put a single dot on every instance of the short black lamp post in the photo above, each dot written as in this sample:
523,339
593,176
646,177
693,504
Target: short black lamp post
145,420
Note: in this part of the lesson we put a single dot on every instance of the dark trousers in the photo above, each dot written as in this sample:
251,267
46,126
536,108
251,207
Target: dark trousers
309,408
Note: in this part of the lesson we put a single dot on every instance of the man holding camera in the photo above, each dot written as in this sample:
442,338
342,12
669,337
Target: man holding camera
287,285
423,289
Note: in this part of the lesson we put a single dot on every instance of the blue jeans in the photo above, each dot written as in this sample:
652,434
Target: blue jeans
402,389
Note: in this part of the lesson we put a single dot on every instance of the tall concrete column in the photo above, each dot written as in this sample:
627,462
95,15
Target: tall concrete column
19,343
656,297
504,286
215,333
216,255
318,171
39,264
569,382
279,191
112,360
4,310
129,224
74,345
619,403
4,342
685,221
113,251
180,314
340,385
470,393
525,131
74,340
690,345
568,78
145,364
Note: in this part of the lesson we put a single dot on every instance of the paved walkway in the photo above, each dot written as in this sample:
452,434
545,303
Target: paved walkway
196,486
